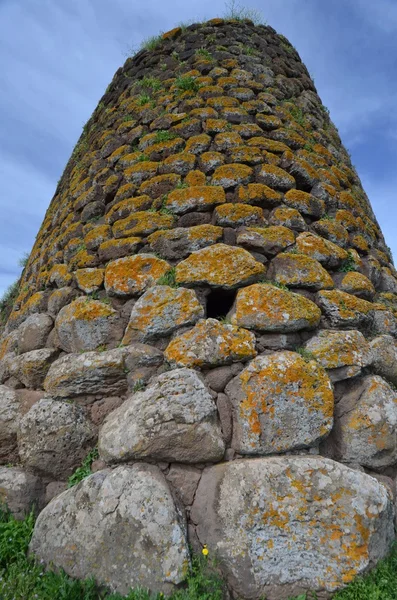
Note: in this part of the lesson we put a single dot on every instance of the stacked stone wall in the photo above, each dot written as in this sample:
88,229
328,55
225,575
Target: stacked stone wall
211,302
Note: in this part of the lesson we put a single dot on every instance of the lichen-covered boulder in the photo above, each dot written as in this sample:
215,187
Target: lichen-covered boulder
283,525
85,324
32,367
132,275
344,311
9,409
342,353
264,307
357,284
54,437
33,332
327,253
280,402
180,242
384,357
299,270
365,424
161,311
210,344
174,420
270,240
219,266
20,491
121,527
98,373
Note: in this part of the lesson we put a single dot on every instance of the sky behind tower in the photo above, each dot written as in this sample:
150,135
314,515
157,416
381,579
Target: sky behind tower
58,56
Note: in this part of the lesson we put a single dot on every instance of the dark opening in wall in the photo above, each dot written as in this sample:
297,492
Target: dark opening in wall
219,302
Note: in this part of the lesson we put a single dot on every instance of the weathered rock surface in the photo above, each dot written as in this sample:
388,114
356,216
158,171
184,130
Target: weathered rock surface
33,332
280,402
219,266
54,437
85,325
121,527
384,357
344,311
265,307
161,311
209,344
20,491
32,367
9,408
342,353
134,274
280,526
174,419
365,424
299,270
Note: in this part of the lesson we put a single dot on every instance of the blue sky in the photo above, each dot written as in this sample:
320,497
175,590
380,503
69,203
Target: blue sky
58,56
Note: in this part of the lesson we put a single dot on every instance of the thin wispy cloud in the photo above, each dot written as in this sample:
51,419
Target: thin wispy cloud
58,56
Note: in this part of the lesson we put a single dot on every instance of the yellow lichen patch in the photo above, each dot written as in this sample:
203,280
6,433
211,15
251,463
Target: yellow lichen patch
268,122
96,236
141,223
344,307
82,259
346,219
119,248
333,231
246,154
299,270
235,214
305,203
84,309
268,145
201,234
292,396
204,113
125,191
126,207
276,178
335,349
141,171
173,33
211,343
323,250
180,163
340,175
195,178
319,149
359,243
328,177
160,185
184,200
271,240
60,275
231,175
221,102
134,274
89,280
166,148
258,193
209,161
264,307
122,151
225,141
358,285
213,126
219,266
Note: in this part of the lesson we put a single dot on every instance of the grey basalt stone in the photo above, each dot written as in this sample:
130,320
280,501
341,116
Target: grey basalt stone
283,525
174,419
33,332
281,402
20,491
54,437
121,527
103,373
9,411
384,357
32,367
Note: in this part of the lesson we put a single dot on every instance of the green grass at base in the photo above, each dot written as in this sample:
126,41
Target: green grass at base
23,579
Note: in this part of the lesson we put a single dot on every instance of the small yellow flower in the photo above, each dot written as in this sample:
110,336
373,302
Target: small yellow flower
204,550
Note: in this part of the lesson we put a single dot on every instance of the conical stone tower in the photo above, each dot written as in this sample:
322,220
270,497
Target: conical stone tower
209,300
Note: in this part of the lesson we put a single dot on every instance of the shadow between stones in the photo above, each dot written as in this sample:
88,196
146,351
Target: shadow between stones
219,303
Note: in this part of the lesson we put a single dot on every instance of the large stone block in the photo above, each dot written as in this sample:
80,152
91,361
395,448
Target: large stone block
121,527
21,492
284,525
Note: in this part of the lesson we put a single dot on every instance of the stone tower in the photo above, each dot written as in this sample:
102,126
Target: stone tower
211,302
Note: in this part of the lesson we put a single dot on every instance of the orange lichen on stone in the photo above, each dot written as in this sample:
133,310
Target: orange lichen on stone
231,175
246,154
60,275
358,285
184,200
323,250
141,223
305,203
96,236
141,171
126,207
83,259
134,274
333,231
195,179
211,343
173,33
235,214
227,140
119,248
264,307
346,219
213,126
180,163
258,193
299,270
89,280
360,243
219,266
271,240
160,185
347,306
